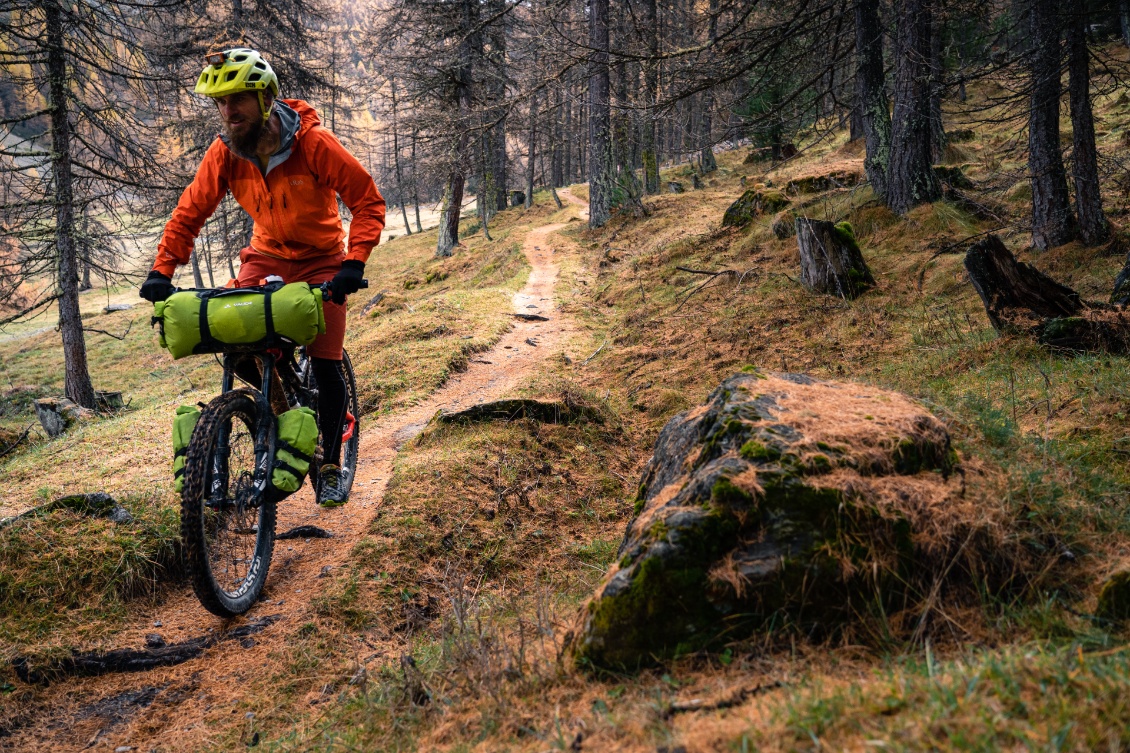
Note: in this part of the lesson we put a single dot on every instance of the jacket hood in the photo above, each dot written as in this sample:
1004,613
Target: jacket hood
308,116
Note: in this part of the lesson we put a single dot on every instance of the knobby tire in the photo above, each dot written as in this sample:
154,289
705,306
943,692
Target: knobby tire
208,530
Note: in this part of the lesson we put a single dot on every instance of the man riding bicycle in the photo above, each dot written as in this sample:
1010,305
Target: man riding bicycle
284,169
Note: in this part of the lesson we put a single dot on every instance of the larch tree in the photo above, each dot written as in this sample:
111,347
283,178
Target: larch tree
600,118
89,149
1052,221
871,94
910,174
1093,227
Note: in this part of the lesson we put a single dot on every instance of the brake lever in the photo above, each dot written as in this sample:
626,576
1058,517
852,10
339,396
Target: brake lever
327,288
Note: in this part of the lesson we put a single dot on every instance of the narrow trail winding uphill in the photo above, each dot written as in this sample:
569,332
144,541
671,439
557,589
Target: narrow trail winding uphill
190,705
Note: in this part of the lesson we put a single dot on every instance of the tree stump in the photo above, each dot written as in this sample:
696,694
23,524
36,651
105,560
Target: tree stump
1019,299
517,198
830,259
675,186
56,415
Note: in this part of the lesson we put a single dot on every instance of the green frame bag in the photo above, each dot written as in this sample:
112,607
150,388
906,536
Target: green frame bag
215,321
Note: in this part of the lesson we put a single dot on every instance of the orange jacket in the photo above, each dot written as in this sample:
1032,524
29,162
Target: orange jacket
294,206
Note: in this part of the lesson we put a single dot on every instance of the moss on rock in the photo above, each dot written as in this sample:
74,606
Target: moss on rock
783,500
752,204
1114,598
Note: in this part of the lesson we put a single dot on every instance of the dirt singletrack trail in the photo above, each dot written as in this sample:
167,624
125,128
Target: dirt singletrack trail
197,703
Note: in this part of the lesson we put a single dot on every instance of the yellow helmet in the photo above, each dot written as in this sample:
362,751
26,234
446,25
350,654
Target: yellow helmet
237,70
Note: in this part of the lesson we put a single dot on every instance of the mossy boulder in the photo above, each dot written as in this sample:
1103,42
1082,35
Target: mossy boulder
783,225
751,204
783,501
1114,598
820,183
954,176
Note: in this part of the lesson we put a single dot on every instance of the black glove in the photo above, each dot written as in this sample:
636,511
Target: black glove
157,287
348,280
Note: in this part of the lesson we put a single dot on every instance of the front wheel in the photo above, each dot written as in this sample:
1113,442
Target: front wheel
227,509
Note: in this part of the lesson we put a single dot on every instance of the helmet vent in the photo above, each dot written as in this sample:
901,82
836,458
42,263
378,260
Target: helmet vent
253,77
240,58
260,65
230,76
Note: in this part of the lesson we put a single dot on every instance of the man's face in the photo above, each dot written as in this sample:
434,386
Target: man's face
240,113
242,120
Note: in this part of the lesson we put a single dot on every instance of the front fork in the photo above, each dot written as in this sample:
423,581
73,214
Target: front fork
264,439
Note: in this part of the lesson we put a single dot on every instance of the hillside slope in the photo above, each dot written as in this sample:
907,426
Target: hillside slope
445,601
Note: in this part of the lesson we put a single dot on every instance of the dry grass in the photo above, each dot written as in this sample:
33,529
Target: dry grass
491,535
1051,422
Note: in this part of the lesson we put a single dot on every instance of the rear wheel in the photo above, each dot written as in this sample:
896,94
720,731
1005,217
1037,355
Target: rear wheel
227,509
350,445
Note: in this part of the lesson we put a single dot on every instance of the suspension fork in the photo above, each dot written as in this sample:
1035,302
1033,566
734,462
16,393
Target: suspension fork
265,435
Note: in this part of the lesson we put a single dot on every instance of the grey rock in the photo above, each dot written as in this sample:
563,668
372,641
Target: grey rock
120,515
783,500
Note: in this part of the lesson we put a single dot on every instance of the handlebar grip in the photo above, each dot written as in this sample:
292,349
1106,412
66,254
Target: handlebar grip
364,284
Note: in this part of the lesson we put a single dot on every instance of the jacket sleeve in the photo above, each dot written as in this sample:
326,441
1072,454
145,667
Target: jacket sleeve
340,170
196,205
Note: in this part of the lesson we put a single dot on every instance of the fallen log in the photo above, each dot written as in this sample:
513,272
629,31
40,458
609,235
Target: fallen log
1019,299
513,409
96,663
304,532
830,259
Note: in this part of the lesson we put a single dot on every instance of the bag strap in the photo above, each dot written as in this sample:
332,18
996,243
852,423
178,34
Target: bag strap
206,339
282,444
270,319
283,466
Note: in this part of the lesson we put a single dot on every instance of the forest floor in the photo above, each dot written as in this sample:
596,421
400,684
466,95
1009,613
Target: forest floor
435,617
184,707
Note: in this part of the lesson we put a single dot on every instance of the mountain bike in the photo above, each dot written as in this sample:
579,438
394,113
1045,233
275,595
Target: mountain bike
228,504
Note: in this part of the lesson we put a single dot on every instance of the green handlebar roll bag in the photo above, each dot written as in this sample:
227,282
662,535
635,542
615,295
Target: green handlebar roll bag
183,424
206,321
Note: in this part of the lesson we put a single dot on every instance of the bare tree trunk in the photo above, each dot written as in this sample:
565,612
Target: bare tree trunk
937,88
1052,221
567,130
77,384
453,192
396,159
871,95
415,186
910,177
706,121
1124,20
194,258
531,150
1093,227
207,238
449,214
600,122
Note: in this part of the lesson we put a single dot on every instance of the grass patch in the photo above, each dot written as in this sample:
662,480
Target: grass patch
67,578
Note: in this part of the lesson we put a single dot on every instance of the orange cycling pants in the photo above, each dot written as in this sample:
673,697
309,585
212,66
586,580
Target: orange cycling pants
254,267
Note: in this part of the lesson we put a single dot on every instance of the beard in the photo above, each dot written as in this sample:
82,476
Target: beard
246,144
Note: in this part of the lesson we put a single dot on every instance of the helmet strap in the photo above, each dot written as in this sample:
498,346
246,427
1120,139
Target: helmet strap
263,109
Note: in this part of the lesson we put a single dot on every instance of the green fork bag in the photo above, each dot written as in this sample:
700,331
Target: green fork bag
183,424
294,449
207,321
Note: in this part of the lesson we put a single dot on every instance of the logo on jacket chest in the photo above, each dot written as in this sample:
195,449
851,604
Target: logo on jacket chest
297,181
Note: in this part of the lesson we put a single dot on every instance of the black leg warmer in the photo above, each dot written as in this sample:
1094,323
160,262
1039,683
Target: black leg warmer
331,406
